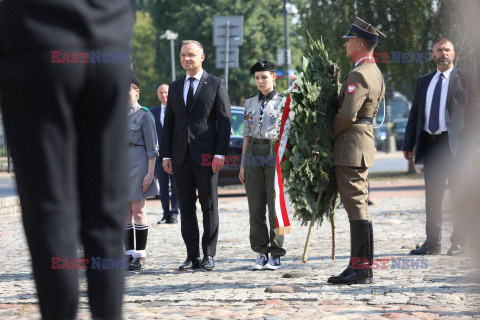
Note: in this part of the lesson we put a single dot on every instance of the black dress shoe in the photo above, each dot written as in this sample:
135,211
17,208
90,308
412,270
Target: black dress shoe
137,264
456,250
163,220
207,263
172,220
352,276
190,264
427,249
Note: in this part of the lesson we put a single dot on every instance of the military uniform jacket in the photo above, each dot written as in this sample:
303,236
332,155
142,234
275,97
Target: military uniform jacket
269,125
360,96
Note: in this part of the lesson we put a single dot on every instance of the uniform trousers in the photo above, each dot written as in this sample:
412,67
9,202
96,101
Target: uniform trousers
352,185
259,185
66,130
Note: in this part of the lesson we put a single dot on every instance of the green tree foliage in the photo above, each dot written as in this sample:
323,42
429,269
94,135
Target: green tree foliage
408,24
143,58
263,34
309,168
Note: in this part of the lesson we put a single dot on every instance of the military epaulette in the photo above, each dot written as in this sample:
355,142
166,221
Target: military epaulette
253,95
280,95
145,109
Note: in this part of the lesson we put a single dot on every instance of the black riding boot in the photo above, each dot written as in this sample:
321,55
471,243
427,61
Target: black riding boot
361,256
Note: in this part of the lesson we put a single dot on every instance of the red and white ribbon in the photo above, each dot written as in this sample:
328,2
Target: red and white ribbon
282,206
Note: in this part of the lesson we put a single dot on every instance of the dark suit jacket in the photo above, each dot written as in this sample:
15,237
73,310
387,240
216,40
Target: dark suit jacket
204,129
156,114
460,111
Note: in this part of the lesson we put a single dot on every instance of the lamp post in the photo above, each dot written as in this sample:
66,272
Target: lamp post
287,45
172,36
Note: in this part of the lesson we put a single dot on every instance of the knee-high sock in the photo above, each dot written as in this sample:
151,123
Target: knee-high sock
128,237
141,234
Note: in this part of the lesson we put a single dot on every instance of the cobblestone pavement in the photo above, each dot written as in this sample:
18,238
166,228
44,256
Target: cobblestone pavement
438,287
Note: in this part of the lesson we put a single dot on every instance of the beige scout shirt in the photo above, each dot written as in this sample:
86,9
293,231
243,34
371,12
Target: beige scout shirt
142,130
268,128
361,93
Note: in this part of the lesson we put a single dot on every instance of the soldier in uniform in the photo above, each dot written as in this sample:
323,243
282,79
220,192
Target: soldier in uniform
362,91
257,168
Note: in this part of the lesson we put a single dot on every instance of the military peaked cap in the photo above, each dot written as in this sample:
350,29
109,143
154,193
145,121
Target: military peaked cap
262,65
364,30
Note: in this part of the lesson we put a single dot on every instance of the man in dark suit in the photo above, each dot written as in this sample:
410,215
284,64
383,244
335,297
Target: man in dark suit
169,215
195,140
70,118
440,128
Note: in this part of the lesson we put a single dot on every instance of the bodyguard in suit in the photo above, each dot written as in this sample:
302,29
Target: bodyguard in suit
169,213
70,118
195,140
440,128
354,145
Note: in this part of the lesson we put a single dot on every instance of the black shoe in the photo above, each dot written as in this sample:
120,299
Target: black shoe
427,249
163,220
456,250
208,263
190,264
361,258
172,220
137,264
352,276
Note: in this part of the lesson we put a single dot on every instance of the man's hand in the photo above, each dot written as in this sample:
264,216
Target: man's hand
217,164
167,166
408,155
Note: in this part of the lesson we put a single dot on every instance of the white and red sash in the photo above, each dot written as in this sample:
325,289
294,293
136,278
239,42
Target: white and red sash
282,206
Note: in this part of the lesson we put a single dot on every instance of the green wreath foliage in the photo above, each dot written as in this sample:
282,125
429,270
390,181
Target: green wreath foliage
308,164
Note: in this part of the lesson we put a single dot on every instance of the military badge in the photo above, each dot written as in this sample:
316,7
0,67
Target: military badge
351,88
248,117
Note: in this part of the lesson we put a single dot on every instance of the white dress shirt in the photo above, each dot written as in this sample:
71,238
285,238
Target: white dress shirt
443,101
186,85
162,114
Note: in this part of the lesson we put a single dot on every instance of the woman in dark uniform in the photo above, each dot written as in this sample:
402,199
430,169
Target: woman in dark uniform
257,169
142,153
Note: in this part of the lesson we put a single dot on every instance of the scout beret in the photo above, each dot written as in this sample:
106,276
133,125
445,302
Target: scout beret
135,81
364,30
262,65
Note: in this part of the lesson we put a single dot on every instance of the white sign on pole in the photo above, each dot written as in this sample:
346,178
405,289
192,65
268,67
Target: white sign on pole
235,33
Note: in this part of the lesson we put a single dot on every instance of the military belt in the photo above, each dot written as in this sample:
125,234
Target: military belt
364,120
261,141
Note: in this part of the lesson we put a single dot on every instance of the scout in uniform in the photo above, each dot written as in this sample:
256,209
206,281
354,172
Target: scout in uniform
257,169
142,154
362,91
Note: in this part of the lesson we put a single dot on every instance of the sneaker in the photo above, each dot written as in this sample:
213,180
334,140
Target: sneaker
260,261
273,263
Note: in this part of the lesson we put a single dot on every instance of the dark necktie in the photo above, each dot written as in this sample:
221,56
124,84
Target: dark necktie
434,120
190,93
